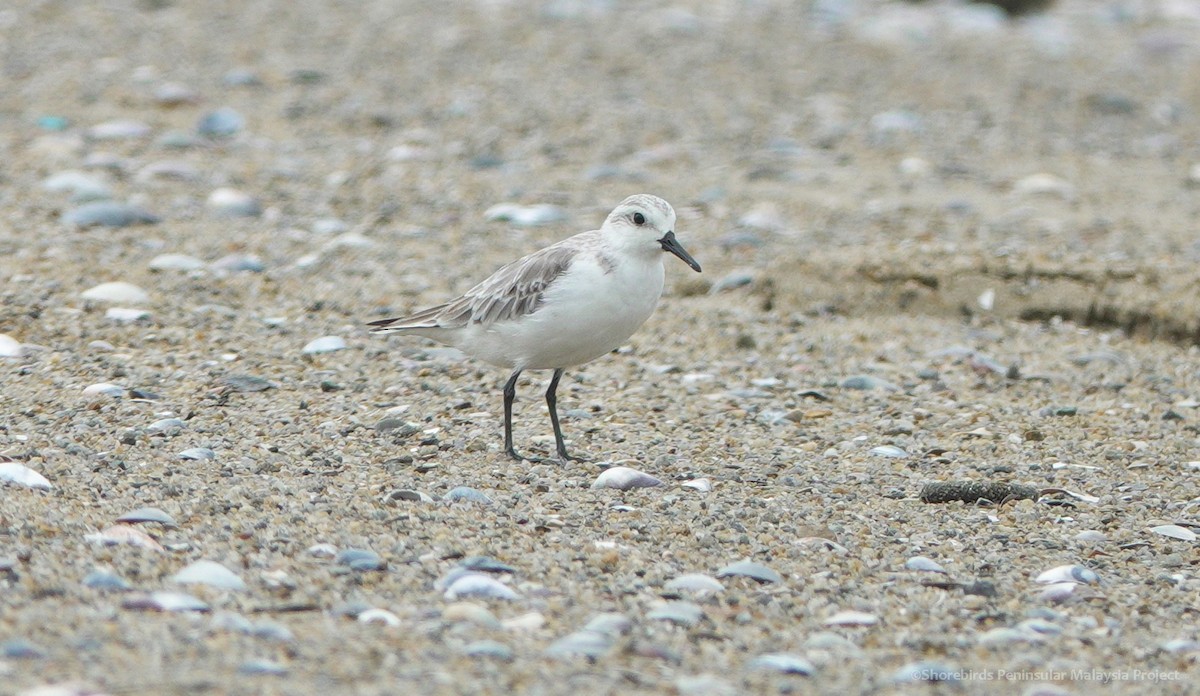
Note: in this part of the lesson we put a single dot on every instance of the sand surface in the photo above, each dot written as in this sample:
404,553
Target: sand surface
938,245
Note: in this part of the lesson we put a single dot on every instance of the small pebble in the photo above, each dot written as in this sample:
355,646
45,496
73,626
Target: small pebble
124,534
106,581
221,123
164,601
360,560
923,564
852,618
464,494
490,649
120,129
679,613
10,347
697,583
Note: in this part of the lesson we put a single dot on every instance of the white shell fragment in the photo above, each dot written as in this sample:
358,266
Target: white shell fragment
1068,573
379,616
324,344
9,347
209,573
852,618
227,202
750,569
525,215
104,389
889,451
1174,531
701,484
479,585
22,475
124,534
147,514
923,564
117,292
126,315
198,453
624,478
164,601
784,663
698,583
175,262
678,613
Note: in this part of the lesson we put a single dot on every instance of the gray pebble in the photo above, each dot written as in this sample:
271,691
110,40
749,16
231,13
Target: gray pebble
221,123
109,214
750,569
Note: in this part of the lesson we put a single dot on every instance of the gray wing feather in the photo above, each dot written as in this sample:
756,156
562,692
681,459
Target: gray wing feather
513,291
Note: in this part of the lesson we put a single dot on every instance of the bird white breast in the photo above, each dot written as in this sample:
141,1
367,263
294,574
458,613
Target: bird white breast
586,312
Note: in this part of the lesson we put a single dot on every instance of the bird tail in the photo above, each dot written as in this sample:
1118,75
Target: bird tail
423,320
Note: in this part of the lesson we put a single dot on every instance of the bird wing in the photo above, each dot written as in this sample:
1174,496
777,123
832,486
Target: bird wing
513,291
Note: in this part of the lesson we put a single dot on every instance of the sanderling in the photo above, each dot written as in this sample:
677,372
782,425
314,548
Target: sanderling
564,305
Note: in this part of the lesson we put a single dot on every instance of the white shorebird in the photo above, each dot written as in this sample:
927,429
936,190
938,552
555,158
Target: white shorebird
564,305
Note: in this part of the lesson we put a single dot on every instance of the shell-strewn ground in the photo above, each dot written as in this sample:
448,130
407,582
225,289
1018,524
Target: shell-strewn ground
879,193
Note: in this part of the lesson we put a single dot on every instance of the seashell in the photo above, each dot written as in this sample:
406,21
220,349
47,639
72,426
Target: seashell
119,129
176,262
104,389
1091,536
232,622
198,453
272,630
106,580
104,213
1006,636
589,644
732,280
126,315
610,623
1068,573
1059,591
261,666
923,564
1180,645
165,427
209,573
80,185
489,648
360,560
624,478
1040,627
830,642
1043,184
22,475
852,618
525,215
322,551
750,569
9,347
247,383
324,344
228,202
531,621
784,663
701,484
464,494
409,495
239,263
698,583
168,169
147,514
889,451
379,616
164,601
868,383
680,613
116,292
1174,531
471,584
486,564
124,534
466,612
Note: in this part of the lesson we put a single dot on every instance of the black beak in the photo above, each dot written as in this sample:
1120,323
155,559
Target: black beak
669,243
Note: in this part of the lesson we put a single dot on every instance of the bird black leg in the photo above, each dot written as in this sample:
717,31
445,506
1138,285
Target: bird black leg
510,393
552,402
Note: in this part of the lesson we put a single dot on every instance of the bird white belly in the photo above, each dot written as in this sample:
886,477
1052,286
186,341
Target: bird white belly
586,313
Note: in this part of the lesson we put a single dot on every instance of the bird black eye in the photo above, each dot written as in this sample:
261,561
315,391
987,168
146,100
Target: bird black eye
639,219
